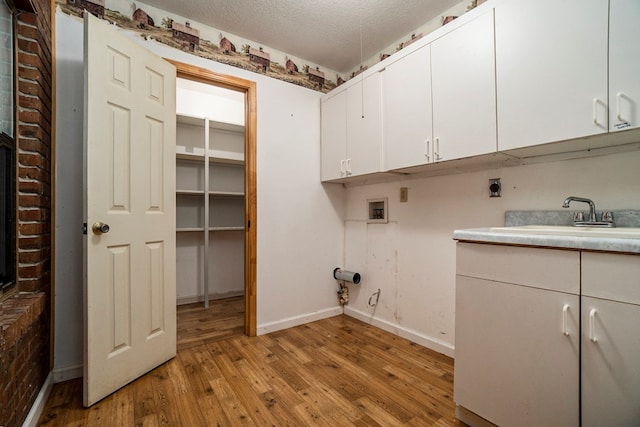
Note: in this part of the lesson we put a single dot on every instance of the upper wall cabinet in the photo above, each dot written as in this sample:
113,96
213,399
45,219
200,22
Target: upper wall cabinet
364,127
334,137
551,70
624,64
463,87
527,78
352,131
406,103
439,101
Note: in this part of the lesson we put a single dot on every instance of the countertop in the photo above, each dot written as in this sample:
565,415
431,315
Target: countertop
601,244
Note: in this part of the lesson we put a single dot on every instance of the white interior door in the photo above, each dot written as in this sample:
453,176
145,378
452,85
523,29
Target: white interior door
129,164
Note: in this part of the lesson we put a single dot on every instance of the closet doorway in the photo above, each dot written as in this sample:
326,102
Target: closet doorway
215,196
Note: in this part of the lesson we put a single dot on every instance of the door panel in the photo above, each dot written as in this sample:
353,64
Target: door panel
463,68
364,126
406,100
513,357
624,64
130,185
610,368
540,96
334,137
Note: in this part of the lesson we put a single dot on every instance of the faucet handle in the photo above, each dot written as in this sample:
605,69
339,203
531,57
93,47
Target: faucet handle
578,217
607,216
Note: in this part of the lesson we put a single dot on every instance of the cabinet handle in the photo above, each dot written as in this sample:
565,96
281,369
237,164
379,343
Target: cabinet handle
618,115
348,167
436,150
343,168
592,325
426,149
565,319
595,112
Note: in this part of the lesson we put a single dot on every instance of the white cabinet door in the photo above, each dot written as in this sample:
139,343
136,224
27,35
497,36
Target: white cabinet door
514,363
610,339
551,70
624,64
406,100
364,130
463,85
334,137
611,364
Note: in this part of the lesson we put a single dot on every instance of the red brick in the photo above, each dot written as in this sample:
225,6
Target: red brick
32,187
31,285
28,32
30,116
30,159
33,242
33,215
30,102
29,59
26,45
28,18
31,173
30,87
31,271
35,201
34,146
30,331
30,130
32,229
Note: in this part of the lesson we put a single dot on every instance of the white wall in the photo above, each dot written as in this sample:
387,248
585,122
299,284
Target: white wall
457,9
68,200
412,259
300,237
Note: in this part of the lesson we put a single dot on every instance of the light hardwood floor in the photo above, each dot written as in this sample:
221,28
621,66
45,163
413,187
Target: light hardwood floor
333,372
197,325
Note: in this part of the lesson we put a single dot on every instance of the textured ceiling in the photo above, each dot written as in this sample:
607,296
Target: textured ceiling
325,32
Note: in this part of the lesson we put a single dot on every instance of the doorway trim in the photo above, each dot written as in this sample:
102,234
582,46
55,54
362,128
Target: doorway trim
248,87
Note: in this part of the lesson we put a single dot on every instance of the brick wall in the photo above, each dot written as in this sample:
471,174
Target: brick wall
25,320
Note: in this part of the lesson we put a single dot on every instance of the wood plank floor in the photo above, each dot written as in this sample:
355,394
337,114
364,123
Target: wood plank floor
333,372
223,319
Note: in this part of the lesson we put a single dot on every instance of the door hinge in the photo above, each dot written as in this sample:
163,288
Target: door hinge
84,228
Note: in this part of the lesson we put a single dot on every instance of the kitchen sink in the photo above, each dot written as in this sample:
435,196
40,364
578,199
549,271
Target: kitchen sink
567,230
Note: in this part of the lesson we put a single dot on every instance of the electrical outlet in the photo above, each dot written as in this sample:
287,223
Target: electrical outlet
404,194
495,187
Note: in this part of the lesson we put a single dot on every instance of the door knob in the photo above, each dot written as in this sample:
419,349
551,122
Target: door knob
100,228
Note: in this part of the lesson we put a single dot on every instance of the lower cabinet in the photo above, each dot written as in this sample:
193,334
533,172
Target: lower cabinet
542,334
610,340
517,343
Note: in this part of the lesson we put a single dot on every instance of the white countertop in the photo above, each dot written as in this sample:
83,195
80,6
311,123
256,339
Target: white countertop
605,244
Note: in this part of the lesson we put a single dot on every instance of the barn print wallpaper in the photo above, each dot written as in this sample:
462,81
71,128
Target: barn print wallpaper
160,26
181,34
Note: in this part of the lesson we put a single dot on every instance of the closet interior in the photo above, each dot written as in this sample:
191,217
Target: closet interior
210,202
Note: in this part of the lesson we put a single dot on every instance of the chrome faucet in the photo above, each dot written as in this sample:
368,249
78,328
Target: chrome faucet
607,217
592,206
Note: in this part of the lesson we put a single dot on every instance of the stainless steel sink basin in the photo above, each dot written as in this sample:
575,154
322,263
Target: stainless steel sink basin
566,230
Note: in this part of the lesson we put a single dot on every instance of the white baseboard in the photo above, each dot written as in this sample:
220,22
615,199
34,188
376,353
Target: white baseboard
212,297
471,418
290,322
38,405
68,373
424,340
